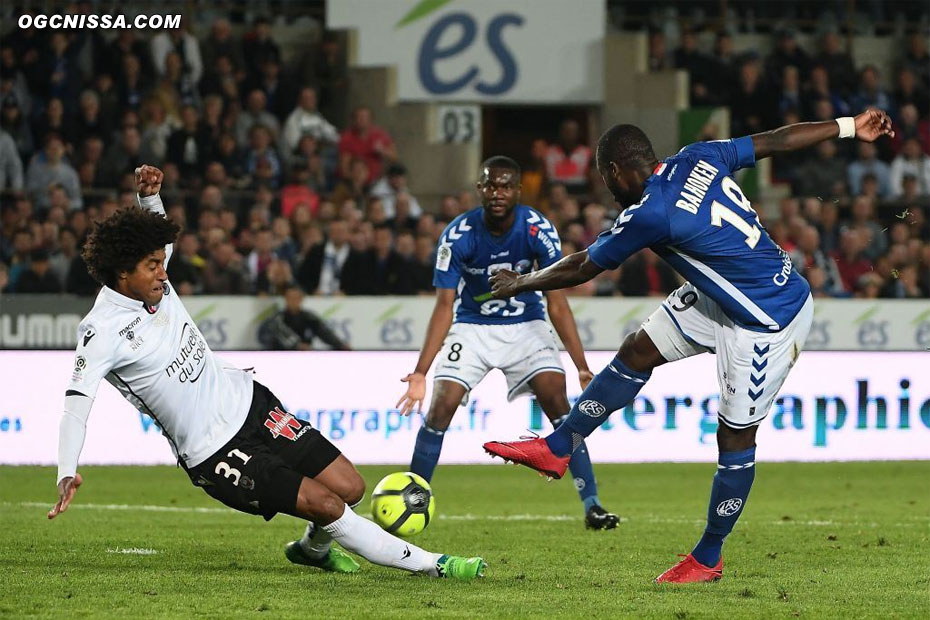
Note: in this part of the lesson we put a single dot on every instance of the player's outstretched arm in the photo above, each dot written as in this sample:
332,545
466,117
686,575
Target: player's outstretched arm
867,126
571,271
439,324
564,322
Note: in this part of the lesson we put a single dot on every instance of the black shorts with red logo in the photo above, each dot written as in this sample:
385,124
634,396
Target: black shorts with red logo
259,471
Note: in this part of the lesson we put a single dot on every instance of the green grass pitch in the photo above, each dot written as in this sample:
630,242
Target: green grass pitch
825,540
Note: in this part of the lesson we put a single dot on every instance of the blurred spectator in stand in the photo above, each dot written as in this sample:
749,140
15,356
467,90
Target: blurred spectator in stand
261,256
911,161
221,80
305,119
38,278
224,274
353,186
867,286
909,91
820,87
752,103
910,125
568,161
11,166
221,42
275,280
186,267
870,93
189,147
645,275
917,58
424,262
850,262
450,207
699,67
282,241
787,52
48,168
659,58
90,122
131,86
59,74
295,329
298,191
868,163
60,260
403,219
825,175
534,177
279,96
22,246
790,96
837,63
256,114
392,186
54,121
808,256
125,155
723,75
595,222
261,160
321,268
13,121
182,43
367,141
259,46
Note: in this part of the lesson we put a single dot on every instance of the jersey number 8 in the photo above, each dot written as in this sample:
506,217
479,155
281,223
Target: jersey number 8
720,213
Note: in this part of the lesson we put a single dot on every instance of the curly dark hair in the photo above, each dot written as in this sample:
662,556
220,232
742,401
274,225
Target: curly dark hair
625,145
118,243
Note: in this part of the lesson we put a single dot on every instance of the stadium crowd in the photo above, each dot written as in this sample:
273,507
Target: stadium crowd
276,182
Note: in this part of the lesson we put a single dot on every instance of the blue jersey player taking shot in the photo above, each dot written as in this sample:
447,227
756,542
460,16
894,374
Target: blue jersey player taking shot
486,333
743,301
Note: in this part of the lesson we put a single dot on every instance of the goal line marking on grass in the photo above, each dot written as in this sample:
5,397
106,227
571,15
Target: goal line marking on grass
474,517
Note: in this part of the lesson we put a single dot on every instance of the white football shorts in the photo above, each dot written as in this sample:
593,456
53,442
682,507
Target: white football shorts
520,350
751,366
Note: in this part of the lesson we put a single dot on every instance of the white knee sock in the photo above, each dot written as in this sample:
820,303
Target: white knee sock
365,538
316,541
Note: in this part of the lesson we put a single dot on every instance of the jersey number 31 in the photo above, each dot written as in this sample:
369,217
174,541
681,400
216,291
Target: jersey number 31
720,213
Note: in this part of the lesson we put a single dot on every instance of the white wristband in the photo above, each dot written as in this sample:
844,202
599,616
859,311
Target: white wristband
847,126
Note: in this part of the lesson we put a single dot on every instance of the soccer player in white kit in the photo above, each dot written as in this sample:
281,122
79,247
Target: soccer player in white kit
743,301
231,435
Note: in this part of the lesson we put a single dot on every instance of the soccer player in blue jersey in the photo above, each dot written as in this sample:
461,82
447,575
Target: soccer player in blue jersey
510,334
743,301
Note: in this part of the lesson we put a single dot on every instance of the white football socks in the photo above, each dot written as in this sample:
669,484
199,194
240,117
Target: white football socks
316,542
365,538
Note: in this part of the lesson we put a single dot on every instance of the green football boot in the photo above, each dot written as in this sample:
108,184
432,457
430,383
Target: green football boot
454,567
336,561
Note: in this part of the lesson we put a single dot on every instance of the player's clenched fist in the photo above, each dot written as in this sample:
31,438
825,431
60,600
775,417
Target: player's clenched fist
148,180
504,284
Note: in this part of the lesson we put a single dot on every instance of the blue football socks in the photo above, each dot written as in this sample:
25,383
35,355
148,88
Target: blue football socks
613,388
582,472
735,472
426,452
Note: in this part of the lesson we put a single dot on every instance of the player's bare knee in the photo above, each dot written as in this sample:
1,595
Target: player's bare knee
355,490
639,353
440,413
735,439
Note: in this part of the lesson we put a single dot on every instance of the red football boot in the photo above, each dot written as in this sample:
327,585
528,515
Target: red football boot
690,570
534,453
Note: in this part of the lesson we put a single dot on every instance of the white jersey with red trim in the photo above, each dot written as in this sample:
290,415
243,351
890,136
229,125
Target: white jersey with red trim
161,363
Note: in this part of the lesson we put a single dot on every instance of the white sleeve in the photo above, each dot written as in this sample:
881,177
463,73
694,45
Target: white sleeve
93,360
71,432
154,203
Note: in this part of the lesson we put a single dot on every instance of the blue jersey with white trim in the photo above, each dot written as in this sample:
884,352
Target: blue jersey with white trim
695,216
468,254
